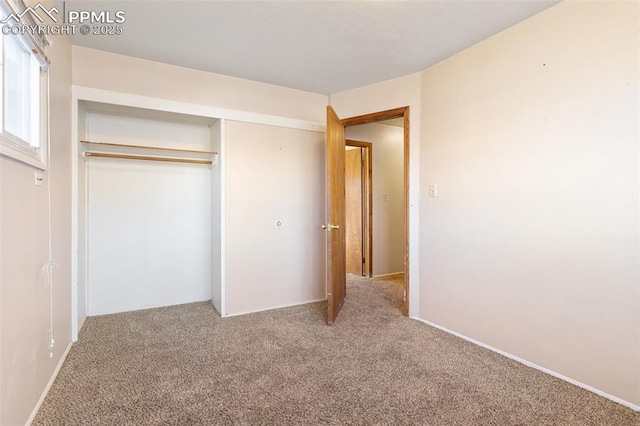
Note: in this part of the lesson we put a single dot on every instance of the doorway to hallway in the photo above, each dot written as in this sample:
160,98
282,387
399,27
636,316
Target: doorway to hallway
336,258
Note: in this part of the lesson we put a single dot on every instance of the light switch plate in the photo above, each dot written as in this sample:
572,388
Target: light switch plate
39,179
433,190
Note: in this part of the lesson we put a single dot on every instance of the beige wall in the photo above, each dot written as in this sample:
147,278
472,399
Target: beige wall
25,366
273,174
118,73
388,193
532,243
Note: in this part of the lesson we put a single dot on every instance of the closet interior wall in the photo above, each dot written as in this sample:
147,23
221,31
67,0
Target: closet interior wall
145,227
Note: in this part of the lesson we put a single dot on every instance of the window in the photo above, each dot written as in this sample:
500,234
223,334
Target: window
24,106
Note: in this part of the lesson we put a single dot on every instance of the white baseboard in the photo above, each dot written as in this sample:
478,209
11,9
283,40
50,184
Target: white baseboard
80,324
275,307
51,380
388,275
535,366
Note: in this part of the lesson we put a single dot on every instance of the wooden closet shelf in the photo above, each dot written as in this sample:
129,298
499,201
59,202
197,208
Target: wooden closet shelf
158,148
148,158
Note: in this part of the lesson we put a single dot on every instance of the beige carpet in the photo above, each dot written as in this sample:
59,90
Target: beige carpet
183,365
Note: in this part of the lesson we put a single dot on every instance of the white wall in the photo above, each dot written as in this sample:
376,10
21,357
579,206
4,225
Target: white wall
399,92
148,223
217,227
532,243
82,220
25,365
273,174
109,71
388,179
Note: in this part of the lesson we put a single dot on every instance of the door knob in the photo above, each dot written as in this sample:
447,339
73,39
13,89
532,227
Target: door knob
330,227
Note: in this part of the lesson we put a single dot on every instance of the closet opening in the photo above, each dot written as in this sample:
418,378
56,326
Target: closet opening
149,193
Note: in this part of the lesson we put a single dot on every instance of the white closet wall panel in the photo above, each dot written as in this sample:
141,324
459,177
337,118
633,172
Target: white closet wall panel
216,220
147,132
149,232
82,228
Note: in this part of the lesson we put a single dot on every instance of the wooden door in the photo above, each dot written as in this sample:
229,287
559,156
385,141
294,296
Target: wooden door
335,226
353,169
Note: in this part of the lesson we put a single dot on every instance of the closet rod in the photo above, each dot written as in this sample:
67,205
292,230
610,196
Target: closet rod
159,148
147,158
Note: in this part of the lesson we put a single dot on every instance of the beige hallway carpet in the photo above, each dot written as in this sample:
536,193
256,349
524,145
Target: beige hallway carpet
184,365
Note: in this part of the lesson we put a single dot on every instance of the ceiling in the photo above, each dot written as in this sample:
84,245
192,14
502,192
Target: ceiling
318,46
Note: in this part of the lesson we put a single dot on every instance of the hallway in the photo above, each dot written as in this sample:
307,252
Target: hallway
378,295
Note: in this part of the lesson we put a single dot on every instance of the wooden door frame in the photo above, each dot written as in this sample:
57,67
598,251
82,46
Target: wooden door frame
368,206
382,116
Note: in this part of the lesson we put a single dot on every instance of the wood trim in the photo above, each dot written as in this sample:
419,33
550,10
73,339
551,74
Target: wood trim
350,142
388,115
375,116
368,146
119,145
406,211
148,158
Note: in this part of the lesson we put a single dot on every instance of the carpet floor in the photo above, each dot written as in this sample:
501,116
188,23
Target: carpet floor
184,365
